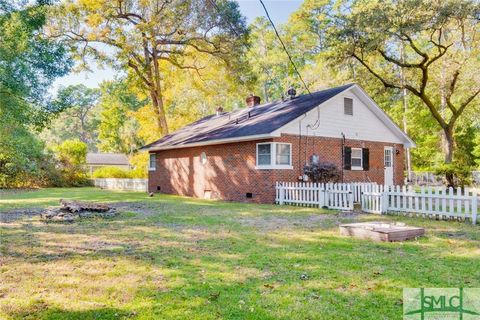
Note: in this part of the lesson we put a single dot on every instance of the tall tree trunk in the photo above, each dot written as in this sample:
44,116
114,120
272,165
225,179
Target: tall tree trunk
157,104
448,144
448,149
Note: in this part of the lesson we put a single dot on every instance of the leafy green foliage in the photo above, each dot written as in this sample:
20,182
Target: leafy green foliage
75,116
28,64
111,172
72,155
458,173
148,38
428,48
73,152
118,128
115,172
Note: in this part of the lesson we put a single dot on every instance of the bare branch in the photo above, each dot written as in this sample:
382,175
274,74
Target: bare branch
398,62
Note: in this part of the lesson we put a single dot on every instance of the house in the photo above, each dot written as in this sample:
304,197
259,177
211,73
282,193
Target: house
239,155
98,160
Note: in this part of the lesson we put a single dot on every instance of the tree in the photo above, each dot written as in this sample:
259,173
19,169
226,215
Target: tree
118,128
28,65
72,156
73,152
268,61
148,37
441,44
75,106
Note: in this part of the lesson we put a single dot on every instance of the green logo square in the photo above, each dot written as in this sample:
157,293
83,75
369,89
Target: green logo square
441,303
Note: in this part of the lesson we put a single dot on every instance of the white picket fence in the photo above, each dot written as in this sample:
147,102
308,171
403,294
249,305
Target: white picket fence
121,184
333,196
426,201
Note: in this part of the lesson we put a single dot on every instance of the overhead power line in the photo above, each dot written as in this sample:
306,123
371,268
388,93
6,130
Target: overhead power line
284,47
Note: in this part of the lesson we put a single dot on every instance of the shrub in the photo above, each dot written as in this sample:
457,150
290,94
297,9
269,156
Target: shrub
71,157
111,172
138,173
73,152
322,172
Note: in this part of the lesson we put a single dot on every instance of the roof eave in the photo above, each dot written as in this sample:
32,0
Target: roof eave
213,142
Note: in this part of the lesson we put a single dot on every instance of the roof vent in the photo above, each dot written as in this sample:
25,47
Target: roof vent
292,92
252,101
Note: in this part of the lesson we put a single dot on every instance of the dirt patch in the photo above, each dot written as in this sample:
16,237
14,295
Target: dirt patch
9,216
141,208
275,222
144,209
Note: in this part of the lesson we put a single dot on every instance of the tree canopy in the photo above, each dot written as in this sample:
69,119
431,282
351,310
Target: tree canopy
177,61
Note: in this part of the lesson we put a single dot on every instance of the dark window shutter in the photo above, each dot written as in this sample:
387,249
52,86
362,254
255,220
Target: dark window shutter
347,158
366,159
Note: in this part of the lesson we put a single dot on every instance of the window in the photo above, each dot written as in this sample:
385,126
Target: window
274,156
357,159
152,163
283,154
388,158
348,106
264,154
203,158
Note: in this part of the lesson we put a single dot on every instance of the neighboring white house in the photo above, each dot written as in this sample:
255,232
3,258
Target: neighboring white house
99,160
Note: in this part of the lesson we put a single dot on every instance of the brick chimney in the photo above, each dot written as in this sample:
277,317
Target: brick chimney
219,111
252,101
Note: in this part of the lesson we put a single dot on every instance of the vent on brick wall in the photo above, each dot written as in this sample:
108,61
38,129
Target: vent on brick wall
207,194
249,195
158,188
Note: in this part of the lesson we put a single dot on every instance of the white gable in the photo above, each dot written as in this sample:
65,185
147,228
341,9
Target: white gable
368,122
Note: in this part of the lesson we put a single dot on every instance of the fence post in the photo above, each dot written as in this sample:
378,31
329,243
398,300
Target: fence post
281,194
474,208
322,194
384,203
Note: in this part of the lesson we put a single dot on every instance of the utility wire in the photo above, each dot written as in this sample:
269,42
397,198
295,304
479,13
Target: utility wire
284,47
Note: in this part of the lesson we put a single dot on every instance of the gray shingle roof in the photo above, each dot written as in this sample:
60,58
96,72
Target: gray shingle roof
107,159
259,120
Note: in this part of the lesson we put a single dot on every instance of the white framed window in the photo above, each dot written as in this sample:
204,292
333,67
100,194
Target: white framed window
152,162
348,106
283,154
357,159
264,154
272,155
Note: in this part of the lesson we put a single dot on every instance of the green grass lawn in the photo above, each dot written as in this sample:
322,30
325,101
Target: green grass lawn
178,258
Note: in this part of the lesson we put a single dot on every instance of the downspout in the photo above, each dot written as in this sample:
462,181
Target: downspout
300,145
343,155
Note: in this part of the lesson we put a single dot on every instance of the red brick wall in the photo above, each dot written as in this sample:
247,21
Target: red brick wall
230,169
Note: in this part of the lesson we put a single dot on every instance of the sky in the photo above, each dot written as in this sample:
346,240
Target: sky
279,11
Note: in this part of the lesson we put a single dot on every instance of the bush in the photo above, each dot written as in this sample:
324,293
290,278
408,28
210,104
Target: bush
71,157
322,172
111,172
138,173
455,174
